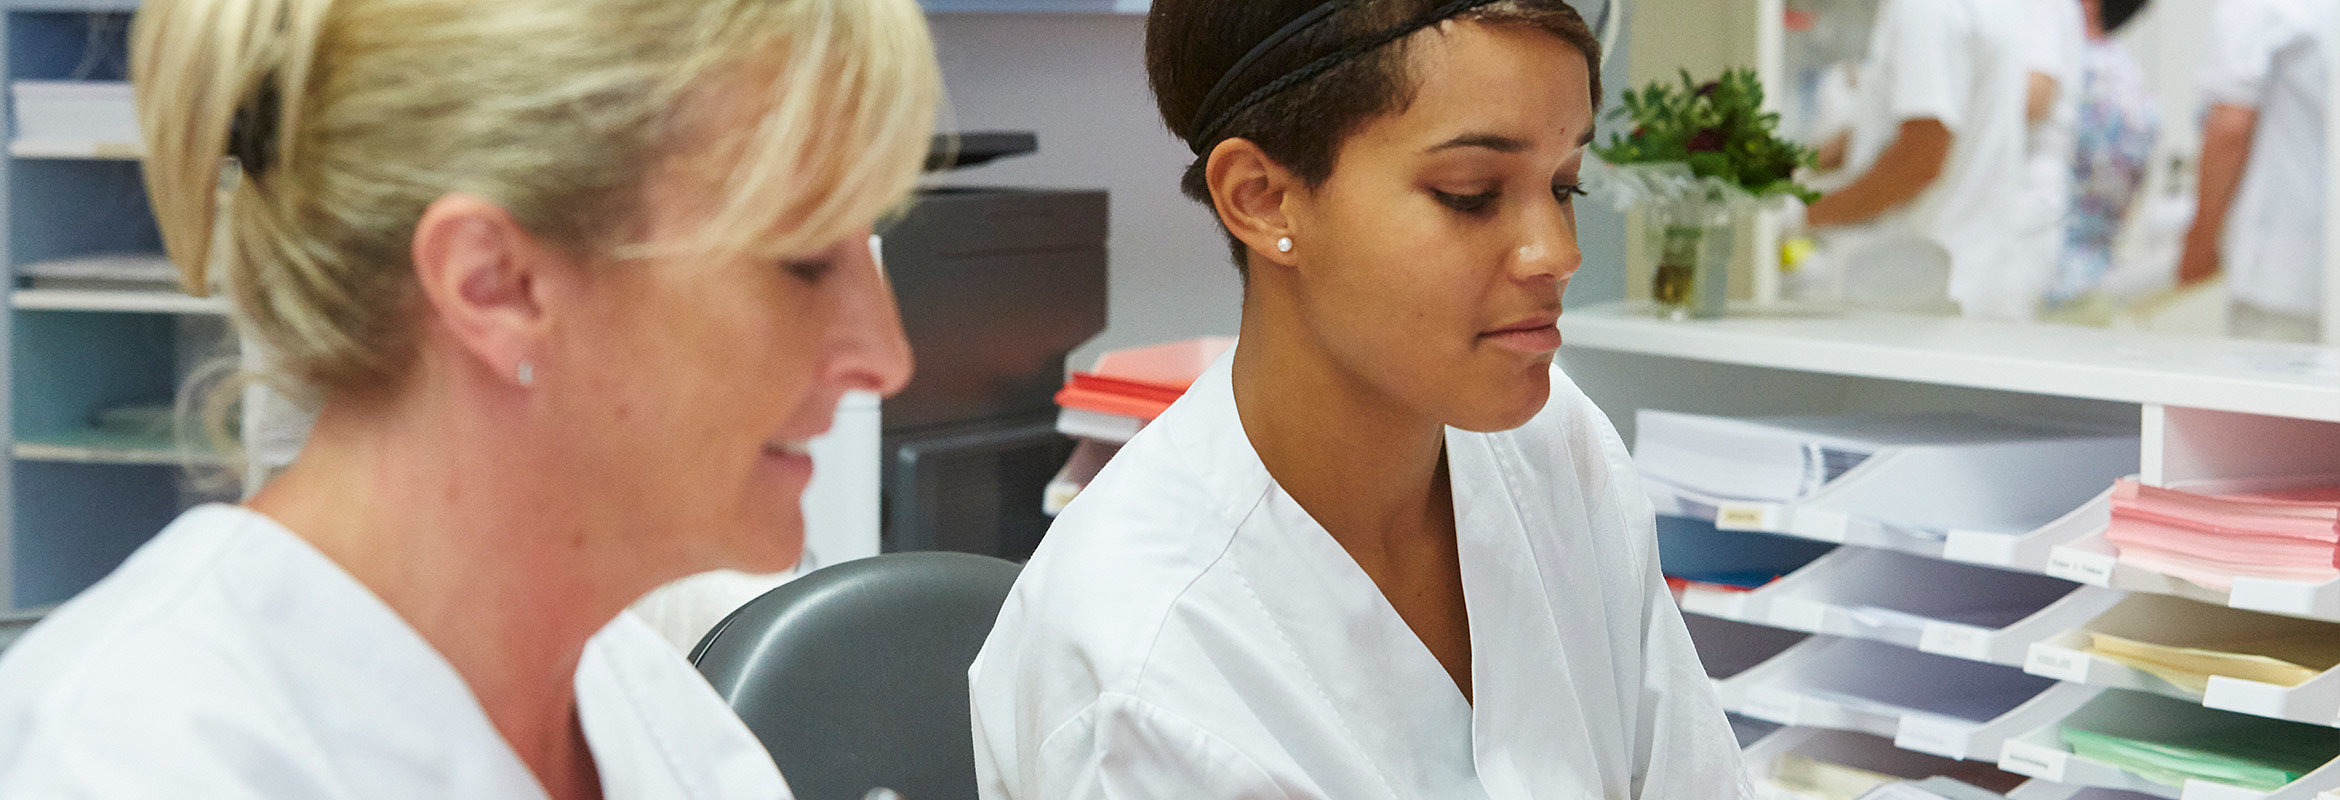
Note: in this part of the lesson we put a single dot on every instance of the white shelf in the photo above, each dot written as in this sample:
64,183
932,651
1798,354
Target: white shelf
141,302
2264,378
2040,753
1930,704
1957,610
76,151
100,447
2155,618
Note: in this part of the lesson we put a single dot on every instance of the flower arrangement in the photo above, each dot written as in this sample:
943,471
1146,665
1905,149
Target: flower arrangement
1695,157
1710,141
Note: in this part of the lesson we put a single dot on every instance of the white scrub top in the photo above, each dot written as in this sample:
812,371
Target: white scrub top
2268,55
229,659
1186,631
2055,44
1959,62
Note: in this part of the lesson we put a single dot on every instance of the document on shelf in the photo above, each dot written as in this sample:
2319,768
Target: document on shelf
1781,459
2288,660
2212,539
2170,741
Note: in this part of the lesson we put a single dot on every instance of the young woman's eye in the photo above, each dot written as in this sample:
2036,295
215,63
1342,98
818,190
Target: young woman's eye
1466,203
1568,192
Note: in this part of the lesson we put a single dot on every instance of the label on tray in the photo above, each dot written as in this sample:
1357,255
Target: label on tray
2058,663
2025,758
2080,566
1747,517
1952,639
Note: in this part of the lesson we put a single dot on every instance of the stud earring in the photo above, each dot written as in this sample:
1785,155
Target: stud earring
1284,245
527,373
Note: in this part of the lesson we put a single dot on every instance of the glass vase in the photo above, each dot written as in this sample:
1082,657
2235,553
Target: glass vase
1690,242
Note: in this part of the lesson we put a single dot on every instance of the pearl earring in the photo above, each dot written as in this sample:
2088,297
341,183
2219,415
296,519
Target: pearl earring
1284,245
527,373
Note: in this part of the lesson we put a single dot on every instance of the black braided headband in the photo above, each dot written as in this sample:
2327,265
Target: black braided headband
1203,135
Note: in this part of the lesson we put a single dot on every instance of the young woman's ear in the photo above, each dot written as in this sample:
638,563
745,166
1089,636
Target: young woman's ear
1252,194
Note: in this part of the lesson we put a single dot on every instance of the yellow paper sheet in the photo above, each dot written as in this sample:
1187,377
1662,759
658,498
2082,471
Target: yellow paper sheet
2282,661
1821,780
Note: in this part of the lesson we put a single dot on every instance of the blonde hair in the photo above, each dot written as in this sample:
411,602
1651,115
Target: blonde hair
559,111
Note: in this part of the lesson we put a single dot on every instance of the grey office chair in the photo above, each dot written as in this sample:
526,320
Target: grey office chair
14,625
855,676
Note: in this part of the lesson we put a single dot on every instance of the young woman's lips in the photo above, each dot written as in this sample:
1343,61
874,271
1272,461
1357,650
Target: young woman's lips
1533,337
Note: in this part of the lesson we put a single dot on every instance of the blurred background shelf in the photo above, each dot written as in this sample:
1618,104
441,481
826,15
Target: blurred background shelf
140,302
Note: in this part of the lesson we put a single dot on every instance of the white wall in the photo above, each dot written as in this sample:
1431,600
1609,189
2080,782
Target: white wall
1079,81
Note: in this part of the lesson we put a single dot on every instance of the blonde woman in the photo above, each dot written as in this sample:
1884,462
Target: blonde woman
574,280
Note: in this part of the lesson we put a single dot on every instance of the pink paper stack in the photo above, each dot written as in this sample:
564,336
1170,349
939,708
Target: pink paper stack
2210,540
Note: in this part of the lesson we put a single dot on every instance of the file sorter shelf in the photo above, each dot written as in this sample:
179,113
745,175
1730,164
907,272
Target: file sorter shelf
1957,610
1859,751
1931,704
1727,648
2040,753
1989,498
2065,657
2092,560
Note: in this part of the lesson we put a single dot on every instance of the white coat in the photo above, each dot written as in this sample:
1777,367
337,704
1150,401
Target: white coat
228,659
1187,631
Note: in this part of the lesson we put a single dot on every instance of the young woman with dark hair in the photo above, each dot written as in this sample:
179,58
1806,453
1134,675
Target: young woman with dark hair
1382,549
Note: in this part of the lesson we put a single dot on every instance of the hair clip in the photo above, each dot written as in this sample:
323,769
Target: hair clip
252,138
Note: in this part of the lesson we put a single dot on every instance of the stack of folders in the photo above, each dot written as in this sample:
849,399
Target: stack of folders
1103,408
2212,539
2171,741
1694,464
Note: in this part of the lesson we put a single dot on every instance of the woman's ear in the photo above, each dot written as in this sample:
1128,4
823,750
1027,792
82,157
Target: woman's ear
482,278
1252,194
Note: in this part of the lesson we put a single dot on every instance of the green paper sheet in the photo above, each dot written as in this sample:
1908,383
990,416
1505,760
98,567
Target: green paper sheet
2256,755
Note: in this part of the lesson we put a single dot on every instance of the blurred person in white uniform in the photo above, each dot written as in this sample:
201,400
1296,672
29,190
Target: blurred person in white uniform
2054,50
2118,129
2260,214
1939,147
573,282
1382,548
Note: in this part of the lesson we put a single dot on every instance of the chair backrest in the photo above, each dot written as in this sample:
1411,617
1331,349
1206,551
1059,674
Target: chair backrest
855,676
14,625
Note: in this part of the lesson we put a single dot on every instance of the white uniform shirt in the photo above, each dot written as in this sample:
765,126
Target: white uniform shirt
229,659
1187,631
1959,62
2268,55
2055,44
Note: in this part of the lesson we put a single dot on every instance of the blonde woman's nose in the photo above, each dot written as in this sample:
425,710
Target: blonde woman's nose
869,351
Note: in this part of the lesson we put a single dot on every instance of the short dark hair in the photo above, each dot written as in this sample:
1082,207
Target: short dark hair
1190,44
2113,14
